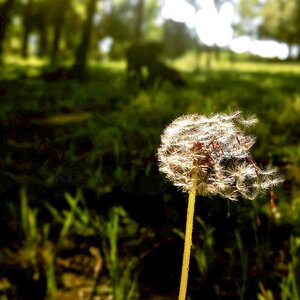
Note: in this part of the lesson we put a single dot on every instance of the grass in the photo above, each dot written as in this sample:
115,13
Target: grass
229,62
101,137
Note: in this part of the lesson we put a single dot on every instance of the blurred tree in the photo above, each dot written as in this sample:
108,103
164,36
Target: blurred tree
280,20
74,18
249,10
130,22
115,24
78,68
152,27
219,3
277,19
36,20
59,9
5,10
139,20
177,39
26,27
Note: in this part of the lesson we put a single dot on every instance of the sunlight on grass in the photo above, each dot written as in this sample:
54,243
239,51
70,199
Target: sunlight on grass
190,62
17,65
116,65
209,61
63,119
31,61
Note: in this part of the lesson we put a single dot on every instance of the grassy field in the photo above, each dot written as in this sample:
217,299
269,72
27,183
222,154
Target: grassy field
84,210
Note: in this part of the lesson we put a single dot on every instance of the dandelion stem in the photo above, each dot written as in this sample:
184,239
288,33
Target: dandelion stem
188,238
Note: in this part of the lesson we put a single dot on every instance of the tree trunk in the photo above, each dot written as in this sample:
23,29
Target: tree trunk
58,22
27,28
43,42
78,69
4,18
139,21
25,42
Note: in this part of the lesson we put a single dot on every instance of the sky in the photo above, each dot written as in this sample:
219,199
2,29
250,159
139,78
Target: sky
215,28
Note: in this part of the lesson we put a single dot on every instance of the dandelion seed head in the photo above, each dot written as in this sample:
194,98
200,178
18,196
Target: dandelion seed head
217,150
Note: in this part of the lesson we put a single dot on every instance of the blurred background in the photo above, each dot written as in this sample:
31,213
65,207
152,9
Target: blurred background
86,89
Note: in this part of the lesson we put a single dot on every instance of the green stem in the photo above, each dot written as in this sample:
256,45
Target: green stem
188,240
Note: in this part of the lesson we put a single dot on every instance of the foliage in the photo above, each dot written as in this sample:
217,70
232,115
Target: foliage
202,245
244,263
35,255
280,21
289,285
123,281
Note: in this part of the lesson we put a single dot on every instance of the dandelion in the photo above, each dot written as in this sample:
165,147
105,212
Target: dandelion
210,155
